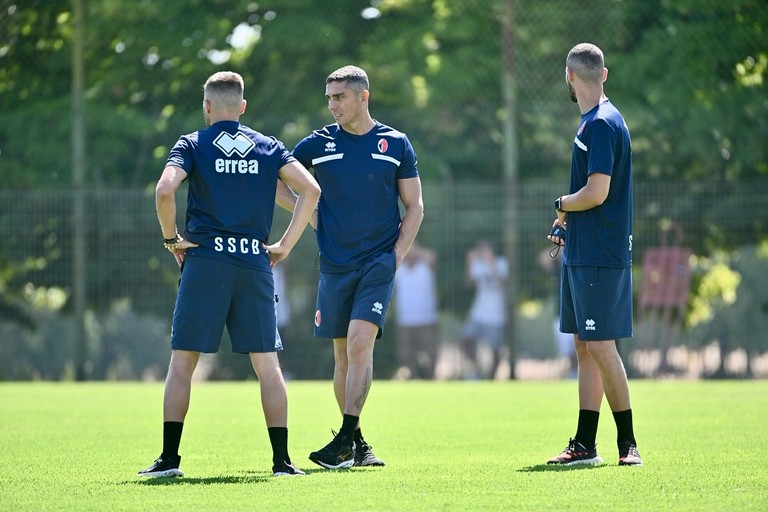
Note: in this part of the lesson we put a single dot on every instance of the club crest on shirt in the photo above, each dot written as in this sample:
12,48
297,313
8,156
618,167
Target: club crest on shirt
383,145
581,128
317,318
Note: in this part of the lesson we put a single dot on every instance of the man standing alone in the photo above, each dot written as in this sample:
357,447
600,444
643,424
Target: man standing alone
596,281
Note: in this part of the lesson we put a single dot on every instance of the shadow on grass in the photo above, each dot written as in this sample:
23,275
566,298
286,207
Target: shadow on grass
558,467
342,471
251,477
213,480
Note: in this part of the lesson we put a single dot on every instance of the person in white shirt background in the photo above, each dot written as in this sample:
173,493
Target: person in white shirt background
487,317
416,315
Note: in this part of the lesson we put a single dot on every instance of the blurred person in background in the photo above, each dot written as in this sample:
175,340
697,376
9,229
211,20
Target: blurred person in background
282,306
226,266
487,318
416,315
552,262
596,282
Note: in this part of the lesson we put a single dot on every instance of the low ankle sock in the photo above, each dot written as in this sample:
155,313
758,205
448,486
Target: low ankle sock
586,432
172,437
348,425
278,438
624,429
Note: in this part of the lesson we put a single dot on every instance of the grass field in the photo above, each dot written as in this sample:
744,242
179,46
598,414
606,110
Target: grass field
448,446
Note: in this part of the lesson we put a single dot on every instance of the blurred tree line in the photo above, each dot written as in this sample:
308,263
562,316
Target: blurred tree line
690,76
689,73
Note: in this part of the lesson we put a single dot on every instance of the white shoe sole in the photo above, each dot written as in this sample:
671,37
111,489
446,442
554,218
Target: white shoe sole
586,462
343,465
163,474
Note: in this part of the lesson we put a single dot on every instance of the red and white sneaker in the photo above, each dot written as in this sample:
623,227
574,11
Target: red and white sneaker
576,453
628,454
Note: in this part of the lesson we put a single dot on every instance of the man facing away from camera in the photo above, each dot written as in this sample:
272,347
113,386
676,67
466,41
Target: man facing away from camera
226,264
596,280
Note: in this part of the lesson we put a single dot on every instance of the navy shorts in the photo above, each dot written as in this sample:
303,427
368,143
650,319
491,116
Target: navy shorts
596,302
213,293
362,294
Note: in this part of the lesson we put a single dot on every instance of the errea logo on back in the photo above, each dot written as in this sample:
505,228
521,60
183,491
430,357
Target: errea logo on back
238,144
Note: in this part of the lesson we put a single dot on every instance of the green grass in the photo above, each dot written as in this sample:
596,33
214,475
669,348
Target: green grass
448,446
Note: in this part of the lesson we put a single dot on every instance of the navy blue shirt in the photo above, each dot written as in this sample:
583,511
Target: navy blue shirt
359,213
602,236
232,172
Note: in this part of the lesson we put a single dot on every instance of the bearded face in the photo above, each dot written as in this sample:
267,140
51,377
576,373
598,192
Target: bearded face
571,90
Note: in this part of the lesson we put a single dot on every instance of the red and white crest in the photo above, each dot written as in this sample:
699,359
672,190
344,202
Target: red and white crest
317,318
383,145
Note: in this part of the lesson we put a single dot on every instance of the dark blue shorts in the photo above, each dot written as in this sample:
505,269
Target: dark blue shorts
596,302
212,294
362,294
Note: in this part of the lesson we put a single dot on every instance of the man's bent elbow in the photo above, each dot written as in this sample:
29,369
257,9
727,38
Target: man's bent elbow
164,190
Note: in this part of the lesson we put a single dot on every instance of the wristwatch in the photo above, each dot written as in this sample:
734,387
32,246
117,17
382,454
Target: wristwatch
558,204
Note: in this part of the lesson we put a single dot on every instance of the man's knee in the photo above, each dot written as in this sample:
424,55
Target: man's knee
602,350
184,361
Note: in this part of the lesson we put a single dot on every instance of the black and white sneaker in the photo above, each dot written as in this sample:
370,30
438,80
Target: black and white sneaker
163,467
576,453
337,454
284,468
364,455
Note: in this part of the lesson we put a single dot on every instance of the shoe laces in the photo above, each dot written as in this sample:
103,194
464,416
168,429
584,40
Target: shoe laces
335,443
575,447
628,448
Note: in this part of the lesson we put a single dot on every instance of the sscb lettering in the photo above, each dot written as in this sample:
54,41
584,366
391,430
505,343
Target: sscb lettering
225,166
235,245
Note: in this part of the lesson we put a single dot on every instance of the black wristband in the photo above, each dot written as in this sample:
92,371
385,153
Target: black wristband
558,204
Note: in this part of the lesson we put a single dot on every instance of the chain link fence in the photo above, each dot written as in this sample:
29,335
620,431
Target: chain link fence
131,280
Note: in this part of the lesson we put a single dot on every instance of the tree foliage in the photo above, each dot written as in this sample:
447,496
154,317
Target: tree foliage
697,74
695,98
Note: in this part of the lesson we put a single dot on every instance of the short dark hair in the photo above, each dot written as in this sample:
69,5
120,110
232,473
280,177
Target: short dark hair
355,77
586,60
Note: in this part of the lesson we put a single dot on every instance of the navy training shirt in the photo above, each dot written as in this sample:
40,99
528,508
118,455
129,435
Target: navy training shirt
359,213
232,172
602,236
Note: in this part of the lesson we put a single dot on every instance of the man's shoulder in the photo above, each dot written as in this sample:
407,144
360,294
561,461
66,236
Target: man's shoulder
318,138
606,120
383,130
329,131
257,136
191,136
607,112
